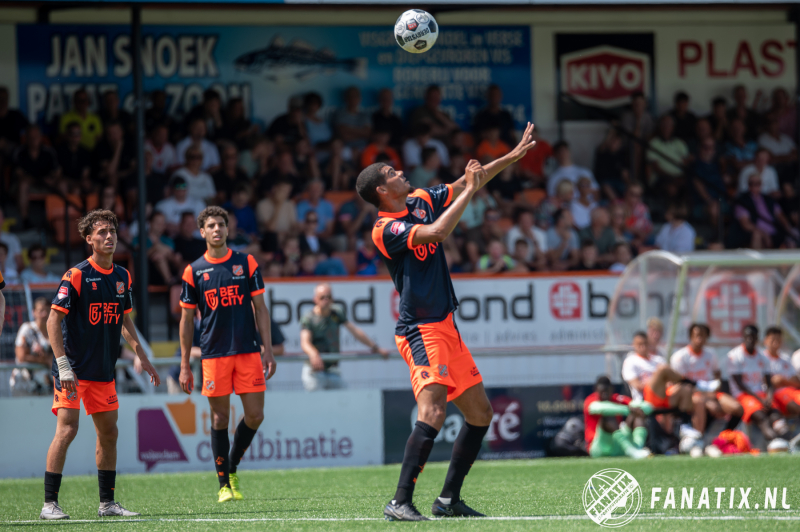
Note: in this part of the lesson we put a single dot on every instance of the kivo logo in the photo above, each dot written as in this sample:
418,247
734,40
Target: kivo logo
605,76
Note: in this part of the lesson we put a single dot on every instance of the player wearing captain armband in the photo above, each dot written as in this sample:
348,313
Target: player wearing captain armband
606,432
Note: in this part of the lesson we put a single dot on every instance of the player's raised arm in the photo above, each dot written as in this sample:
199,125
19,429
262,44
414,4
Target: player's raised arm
446,223
499,164
132,337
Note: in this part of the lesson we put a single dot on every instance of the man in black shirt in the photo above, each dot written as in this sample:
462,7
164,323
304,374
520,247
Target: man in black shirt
187,246
35,167
75,160
493,115
385,119
111,112
114,156
229,175
12,123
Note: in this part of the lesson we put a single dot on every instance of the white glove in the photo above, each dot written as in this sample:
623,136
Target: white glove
65,372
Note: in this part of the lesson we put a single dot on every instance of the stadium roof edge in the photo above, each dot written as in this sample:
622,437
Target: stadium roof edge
426,3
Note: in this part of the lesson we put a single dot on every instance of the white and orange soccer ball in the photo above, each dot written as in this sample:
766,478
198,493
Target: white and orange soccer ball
416,31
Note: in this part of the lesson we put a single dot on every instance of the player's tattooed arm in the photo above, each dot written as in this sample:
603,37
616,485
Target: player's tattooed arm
132,337
265,330
498,165
444,225
186,333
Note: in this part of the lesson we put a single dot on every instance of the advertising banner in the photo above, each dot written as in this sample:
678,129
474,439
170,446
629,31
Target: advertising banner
525,420
267,65
162,433
602,70
494,312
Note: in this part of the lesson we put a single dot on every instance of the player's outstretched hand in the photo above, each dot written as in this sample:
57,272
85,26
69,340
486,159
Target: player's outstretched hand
524,145
186,379
473,174
148,367
269,364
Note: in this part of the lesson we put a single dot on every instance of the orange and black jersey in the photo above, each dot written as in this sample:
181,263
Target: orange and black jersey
223,289
95,301
2,281
420,273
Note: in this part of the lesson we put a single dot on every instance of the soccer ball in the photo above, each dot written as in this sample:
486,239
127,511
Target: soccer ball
416,31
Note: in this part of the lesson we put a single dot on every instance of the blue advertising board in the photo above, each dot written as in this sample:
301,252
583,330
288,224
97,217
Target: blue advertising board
267,65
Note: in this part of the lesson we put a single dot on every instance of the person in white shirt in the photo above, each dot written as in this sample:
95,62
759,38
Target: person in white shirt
567,170
412,148
165,158
785,380
525,229
36,272
699,363
649,377
199,183
180,202
770,184
197,136
583,206
750,382
676,236
32,346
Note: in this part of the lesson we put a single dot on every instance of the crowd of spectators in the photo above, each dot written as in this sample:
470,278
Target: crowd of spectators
660,182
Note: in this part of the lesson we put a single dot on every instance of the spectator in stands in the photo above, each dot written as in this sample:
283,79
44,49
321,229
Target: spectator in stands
718,119
505,188
115,159
421,138
32,346
319,334
160,249
702,131
637,215
739,152
611,165
229,176
350,122
495,260
562,242
200,185
422,175
685,120
761,223
601,235
477,240
666,159
431,114
11,276
257,161
11,264
35,169
284,170
210,113
305,160
157,112
380,145
177,204
384,118
618,223
452,172
310,239
472,219
37,272
783,110
676,236
709,186
368,261
622,257
741,111
238,240
491,147
789,204
637,121
770,184
354,218
782,149
520,253
188,247
525,229
240,206
75,160
563,199
12,124
316,203
276,213
165,158
290,127
317,128
209,155
588,257
566,169
534,163
291,257
583,206
493,115
110,111
235,125
91,126
339,171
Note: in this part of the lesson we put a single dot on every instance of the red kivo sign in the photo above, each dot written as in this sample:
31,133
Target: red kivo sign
605,76
565,301
730,305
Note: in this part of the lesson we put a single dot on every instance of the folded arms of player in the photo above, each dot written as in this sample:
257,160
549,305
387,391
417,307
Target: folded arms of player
130,335
264,329
69,381
444,225
499,164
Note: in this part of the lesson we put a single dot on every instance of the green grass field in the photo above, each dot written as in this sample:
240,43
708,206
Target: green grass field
532,494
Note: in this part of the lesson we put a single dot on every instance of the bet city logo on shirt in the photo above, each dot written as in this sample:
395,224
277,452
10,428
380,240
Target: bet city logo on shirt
612,498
